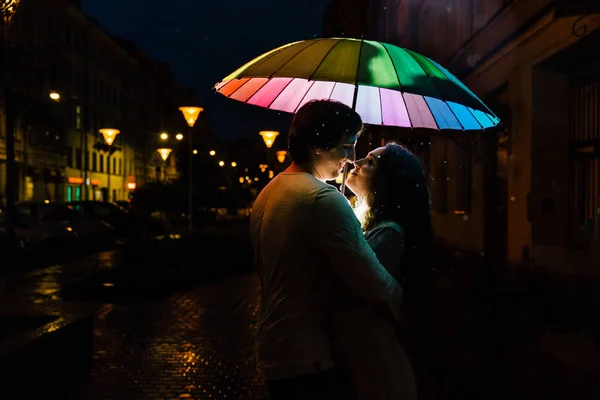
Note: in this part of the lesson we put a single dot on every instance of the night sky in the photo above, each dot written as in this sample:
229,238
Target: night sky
206,40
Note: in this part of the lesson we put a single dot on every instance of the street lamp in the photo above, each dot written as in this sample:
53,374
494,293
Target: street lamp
179,136
109,134
164,154
164,136
281,156
190,113
54,95
269,139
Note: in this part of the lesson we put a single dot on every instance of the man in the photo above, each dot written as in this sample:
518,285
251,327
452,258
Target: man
304,235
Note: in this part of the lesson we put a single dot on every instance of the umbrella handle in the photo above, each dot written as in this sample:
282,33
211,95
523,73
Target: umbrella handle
344,174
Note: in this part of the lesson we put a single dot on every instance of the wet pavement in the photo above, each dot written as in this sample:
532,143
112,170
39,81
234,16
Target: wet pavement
195,344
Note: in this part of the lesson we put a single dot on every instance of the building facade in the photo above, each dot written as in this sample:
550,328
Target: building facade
531,192
103,82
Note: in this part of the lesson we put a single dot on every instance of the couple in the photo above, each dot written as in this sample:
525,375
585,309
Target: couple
329,273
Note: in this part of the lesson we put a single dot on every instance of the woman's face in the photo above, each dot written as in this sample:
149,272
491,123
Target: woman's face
360,179
330,163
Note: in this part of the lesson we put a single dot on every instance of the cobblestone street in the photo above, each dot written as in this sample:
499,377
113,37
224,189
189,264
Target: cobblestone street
196,344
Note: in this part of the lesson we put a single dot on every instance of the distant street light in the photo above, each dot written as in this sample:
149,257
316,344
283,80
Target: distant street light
221,163
164,136
164,153
268,137
212,153
233,164
109,135
281,156
179,136
55,96
190,113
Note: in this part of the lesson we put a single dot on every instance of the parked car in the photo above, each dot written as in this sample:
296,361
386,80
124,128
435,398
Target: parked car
48,242
94,233
128,226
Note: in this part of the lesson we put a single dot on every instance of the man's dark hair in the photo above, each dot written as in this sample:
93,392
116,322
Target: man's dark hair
321,125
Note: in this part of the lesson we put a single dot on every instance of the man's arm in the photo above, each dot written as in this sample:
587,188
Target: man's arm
339,238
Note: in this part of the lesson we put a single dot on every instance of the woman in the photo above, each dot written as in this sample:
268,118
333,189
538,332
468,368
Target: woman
393,208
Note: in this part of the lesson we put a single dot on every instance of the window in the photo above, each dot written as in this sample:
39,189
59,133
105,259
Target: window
70,156
101,163
94,162
78,158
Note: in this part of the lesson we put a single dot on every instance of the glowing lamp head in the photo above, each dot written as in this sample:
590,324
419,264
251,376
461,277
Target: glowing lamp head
191,114
164,153
179,136
281,155
269,137
212,152
164,136
54,95
109,134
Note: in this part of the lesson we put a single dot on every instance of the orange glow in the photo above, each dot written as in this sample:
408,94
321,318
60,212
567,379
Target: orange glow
109,134
281,155
95,182
269,137
131,185
54,95
191,114
164,153
75,181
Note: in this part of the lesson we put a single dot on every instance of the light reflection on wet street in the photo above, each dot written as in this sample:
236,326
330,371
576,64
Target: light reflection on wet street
195,344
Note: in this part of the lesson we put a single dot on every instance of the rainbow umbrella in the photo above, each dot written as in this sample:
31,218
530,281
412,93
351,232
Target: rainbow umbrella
387,85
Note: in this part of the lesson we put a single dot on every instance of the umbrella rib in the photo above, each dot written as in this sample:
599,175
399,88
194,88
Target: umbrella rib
394,64
323,59
455,116
279,94
294,56
302,99
476,120
362,42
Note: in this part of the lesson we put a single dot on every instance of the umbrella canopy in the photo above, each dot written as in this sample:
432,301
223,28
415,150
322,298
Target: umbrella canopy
387,85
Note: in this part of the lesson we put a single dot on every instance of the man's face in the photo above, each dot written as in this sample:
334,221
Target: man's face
329,164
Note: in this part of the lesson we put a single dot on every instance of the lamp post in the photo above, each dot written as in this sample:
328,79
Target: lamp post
109,135
190,113
269,139
8,9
